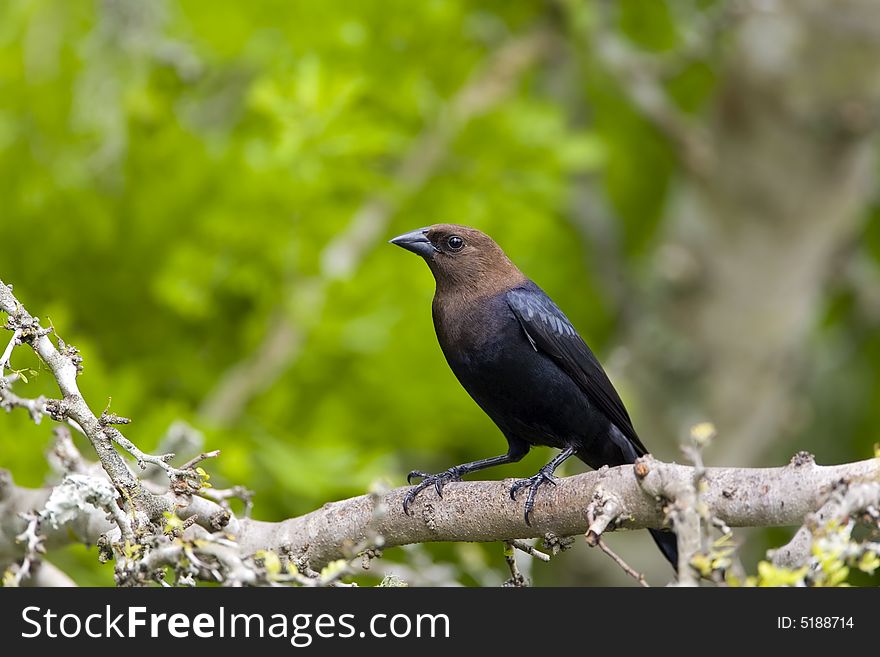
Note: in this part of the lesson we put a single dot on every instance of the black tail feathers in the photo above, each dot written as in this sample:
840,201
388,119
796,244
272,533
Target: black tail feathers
668,545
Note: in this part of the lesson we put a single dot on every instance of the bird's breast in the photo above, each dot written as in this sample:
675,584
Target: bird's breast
473,331
521,389
487,350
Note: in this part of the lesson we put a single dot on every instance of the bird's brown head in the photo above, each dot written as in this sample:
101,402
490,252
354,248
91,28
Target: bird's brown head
462,259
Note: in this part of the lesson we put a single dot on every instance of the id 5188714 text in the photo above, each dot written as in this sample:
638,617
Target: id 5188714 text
815,623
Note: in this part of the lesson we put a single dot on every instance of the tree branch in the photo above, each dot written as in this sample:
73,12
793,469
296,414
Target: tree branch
844,502
65,364
482,511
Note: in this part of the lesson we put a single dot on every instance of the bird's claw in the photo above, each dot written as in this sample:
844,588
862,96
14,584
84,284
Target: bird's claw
416,474
438,481
533,484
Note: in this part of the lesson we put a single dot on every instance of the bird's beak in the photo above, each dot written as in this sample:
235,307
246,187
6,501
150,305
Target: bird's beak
416,241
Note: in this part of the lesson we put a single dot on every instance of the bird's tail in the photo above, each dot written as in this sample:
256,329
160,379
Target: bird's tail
628,453
667,543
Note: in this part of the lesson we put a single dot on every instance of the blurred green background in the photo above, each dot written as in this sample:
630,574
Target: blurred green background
198,195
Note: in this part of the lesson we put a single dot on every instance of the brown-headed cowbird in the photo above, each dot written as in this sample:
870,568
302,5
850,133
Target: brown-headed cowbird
523,362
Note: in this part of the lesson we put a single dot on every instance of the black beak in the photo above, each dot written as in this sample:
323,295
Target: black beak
417,241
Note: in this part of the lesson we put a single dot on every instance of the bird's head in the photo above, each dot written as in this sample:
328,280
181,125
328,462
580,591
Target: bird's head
462,258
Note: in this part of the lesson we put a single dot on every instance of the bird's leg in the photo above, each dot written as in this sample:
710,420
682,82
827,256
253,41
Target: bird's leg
544,476
438,481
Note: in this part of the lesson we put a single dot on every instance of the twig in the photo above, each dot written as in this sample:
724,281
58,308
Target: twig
603,512
33,547
142,458
36,408
517,579
629,570
193,462
223,495
530,550
179,439
7,354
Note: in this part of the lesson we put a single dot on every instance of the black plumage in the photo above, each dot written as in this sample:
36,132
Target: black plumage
522,361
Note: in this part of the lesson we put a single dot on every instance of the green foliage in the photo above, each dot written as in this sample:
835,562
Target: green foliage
835,557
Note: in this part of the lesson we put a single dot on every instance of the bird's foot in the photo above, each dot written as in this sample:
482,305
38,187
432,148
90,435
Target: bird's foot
438,481
543,477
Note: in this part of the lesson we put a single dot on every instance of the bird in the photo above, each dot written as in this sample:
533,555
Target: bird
524,364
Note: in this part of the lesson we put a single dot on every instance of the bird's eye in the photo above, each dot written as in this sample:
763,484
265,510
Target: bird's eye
455,243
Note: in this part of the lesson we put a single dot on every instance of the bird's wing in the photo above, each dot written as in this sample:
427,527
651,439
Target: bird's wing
550,332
